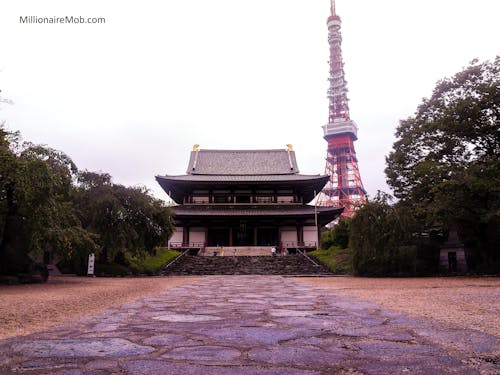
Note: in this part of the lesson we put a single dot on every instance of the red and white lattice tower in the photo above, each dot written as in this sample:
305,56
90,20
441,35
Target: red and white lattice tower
344,187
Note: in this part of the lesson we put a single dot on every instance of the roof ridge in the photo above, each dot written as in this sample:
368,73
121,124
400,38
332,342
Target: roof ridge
243,162
243,150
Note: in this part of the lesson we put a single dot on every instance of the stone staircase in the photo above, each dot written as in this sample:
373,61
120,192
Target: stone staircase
244,265
237,250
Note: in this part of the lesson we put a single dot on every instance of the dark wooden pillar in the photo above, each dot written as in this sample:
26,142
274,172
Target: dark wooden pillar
230,236
300,234
255,235
185,235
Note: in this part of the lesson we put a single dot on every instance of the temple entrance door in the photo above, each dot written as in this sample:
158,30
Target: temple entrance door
452,261
242,235
218,236
267,236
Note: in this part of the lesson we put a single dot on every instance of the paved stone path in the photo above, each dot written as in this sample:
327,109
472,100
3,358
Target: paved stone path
249,325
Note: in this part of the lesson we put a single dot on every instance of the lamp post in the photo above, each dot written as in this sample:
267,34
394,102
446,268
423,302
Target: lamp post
316,222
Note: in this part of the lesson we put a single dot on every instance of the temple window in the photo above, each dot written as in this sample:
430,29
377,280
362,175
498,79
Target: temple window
200,199
285,199
285,196
264,199
200,196
243,196
264,196
222,196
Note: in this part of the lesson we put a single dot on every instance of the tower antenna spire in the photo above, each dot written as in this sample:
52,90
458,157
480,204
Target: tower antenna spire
344,187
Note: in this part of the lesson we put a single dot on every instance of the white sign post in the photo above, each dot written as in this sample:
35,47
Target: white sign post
90,270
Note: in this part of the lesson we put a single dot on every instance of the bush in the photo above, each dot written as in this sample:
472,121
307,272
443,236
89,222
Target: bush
337,236
337,260
151,264
384,239
106,269
326,239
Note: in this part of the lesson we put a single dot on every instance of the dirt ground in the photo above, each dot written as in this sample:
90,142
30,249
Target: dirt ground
469,303
31,307
464,302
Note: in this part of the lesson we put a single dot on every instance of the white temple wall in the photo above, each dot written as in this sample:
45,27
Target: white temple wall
176,239
310,235
197,235
288,235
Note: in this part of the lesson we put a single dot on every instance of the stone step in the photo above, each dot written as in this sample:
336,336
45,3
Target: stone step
244,265
237,251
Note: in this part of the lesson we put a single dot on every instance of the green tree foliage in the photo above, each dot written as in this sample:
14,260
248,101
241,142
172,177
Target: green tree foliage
37,218
43,187
50,211
123,218
73,245
384,239
8,201
337,236
445,163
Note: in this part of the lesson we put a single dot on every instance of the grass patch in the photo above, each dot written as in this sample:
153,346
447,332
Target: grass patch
151,264
336,259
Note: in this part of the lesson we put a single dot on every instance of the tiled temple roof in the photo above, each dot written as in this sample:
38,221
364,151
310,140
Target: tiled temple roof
244,178
250,169
242,162
179,186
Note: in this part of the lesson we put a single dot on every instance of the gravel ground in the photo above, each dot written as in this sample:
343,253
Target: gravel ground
472,303
31,307
469,303
250,325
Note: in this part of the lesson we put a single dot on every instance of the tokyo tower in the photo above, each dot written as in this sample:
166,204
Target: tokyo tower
344,187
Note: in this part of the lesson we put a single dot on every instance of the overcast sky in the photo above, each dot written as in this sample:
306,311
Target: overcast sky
130,97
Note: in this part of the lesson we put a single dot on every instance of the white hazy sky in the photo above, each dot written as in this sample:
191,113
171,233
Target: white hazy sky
130,97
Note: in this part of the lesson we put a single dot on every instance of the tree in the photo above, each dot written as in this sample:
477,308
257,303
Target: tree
337,236
50,211
37,217
445,162
384,239
8,201
43,189
123,218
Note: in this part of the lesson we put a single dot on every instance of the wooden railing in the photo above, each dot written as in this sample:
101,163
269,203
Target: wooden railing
295,244
303,253
283,245
185,245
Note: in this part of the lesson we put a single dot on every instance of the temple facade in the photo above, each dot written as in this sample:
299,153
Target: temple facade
246,198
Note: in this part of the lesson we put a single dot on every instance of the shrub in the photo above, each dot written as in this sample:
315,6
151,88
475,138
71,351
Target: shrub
151,264
383,239
337,260
106,269
337,236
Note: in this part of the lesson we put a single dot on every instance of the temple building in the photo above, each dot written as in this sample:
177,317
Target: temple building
246,198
